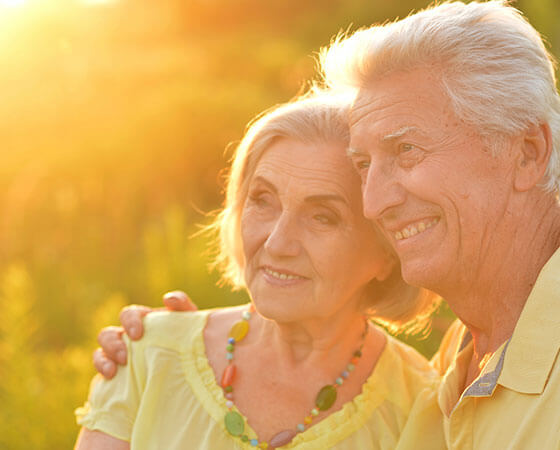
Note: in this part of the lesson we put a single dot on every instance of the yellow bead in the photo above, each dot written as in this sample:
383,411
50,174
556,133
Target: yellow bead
307,420
239,330
262,445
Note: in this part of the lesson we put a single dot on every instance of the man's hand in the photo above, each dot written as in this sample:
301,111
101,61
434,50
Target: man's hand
113,348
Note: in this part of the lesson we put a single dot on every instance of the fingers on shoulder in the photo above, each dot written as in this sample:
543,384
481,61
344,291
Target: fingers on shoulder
131,320
178,301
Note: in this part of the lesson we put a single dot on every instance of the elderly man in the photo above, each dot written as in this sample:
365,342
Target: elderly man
455,131
456,134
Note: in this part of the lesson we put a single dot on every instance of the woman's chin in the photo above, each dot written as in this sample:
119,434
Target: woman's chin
278,311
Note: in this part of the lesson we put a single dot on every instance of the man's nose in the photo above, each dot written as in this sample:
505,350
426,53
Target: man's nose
381,191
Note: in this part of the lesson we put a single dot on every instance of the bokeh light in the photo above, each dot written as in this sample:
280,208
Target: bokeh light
114,120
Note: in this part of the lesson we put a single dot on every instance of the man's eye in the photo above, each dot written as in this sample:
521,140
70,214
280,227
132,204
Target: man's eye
362,165
325,219
409,155
404,147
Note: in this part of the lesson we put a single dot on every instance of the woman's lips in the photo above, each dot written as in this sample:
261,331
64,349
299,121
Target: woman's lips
281,276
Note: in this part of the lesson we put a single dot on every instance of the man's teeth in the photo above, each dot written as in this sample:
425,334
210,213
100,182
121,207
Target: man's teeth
412,230
282,276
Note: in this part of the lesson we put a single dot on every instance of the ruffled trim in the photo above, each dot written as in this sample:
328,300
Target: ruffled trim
329,431
355,413
103,421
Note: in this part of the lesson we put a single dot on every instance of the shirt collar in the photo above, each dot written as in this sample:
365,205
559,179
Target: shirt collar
535,342
522,363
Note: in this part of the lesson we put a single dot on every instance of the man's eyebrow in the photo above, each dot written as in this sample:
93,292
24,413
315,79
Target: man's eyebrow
398,133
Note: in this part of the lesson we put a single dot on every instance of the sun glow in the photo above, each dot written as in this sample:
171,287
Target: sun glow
97,2
12,3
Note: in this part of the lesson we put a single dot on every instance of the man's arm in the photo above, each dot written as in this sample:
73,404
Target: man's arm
112,350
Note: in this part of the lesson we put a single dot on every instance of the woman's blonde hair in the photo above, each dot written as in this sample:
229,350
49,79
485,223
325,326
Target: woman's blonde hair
315,117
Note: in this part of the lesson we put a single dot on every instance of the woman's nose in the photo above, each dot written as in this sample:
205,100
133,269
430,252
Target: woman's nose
284,239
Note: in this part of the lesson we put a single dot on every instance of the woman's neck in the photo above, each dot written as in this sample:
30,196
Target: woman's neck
286,364
311,341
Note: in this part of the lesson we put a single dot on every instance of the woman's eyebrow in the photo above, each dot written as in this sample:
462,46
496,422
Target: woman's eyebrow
261,179
353,152
325,198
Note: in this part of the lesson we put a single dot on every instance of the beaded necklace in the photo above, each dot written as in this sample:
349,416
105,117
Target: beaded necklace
234,422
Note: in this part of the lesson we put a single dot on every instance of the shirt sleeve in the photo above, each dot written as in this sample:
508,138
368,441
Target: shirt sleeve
112,404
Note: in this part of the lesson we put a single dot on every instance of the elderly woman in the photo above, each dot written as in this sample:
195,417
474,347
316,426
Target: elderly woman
301,366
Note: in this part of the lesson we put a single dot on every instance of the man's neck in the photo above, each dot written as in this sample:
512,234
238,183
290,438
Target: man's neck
491,305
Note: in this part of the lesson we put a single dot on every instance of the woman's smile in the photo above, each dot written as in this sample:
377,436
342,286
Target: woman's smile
281,277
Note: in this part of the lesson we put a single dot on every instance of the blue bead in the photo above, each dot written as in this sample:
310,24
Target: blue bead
345,374
229,355
254,442
231,341
301,427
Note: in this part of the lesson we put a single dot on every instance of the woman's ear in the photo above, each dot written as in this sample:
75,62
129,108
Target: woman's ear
533,156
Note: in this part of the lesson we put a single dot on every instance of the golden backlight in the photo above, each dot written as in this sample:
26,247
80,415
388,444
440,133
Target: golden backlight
114,120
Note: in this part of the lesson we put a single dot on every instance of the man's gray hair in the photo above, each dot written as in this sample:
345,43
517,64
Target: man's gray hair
493,64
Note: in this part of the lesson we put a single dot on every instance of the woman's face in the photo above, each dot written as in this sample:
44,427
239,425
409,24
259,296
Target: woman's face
308,249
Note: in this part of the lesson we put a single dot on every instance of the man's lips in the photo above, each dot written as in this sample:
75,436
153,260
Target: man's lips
413,228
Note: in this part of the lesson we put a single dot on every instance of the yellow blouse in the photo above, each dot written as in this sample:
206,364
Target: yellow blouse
167,397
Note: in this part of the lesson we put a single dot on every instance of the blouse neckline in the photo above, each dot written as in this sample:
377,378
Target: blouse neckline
332,429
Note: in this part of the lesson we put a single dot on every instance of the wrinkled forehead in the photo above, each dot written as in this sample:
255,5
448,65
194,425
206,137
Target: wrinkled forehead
403,101
320,167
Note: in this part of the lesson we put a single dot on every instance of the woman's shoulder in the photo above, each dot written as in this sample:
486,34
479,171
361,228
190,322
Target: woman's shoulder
402,383
404,366
173,330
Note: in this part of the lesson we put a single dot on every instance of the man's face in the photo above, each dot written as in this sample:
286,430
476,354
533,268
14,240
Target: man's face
428,179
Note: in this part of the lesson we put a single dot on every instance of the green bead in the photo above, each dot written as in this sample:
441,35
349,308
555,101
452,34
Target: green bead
339,381
315,412
350,367
235,425
228,389
326,397
358,353
245,438
229,348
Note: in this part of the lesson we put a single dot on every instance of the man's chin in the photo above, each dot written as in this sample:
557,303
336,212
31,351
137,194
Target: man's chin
421,273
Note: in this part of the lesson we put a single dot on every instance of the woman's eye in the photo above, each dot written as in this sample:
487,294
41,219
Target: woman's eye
260,200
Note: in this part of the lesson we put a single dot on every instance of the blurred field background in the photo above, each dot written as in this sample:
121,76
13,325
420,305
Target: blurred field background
114,120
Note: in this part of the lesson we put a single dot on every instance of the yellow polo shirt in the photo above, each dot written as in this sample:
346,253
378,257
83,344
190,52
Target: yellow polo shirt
515,402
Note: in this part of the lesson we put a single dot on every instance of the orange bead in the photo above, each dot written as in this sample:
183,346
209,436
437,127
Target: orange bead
307,420
239,330
228,375
355,360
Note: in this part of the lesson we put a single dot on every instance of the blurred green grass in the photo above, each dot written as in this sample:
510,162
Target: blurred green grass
113,123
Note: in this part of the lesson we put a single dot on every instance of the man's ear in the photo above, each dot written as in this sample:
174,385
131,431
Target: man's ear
533,156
